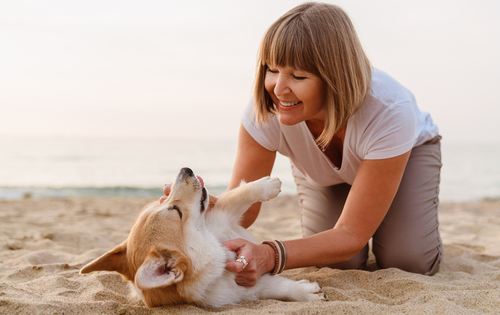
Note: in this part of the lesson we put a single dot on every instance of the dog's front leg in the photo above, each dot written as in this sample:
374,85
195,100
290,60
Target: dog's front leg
241,198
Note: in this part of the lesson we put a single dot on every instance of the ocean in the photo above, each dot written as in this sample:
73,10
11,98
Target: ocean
65,168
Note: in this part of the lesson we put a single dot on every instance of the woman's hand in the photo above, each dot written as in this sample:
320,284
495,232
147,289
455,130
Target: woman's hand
260,259
168,187
166,191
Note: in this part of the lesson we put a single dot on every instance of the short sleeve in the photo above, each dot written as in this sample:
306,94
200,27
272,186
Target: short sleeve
267,135
392,133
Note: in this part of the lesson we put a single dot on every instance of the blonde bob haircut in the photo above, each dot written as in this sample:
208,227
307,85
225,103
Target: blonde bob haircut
318,38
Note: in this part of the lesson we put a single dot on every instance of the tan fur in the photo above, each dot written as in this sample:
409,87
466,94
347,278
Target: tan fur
174,253
153,234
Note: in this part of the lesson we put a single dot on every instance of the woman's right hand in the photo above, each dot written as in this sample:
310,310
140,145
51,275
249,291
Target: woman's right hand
260,259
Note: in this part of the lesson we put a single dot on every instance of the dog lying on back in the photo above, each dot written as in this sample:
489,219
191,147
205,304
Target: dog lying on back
174,253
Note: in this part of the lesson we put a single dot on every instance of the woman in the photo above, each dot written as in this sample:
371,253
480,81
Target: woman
365,160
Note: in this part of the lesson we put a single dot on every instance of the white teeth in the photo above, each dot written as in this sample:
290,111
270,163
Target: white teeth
289,103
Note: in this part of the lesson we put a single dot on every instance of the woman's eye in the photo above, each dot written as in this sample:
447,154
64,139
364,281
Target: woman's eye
272,71
299,78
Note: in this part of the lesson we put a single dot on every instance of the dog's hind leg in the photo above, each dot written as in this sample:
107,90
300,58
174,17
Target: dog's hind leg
278,288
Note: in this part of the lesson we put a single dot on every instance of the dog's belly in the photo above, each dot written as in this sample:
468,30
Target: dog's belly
221,227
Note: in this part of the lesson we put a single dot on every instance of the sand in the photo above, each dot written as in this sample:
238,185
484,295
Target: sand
44,243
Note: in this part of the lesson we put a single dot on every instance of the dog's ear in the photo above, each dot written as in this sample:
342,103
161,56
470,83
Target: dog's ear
161,269
114,260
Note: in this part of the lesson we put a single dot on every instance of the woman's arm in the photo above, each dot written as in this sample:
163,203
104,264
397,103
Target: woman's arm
252,162
370,197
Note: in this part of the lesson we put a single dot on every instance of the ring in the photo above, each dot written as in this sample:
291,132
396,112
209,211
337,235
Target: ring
242,260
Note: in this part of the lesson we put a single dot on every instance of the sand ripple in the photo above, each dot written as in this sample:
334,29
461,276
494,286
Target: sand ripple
44,243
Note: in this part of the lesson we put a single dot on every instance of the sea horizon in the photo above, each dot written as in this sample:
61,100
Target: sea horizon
66,167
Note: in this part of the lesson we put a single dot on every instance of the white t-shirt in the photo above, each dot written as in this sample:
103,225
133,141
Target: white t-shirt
388,124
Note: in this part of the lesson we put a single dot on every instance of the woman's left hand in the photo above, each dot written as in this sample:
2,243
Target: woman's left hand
260,259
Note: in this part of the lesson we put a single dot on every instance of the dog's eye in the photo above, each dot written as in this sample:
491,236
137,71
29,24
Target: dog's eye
176,209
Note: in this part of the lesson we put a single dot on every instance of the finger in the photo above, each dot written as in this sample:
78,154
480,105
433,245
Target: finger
233,245
234,266
244,282
163,198
166,189
240,281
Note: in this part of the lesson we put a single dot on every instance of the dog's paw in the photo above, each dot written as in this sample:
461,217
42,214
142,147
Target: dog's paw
271,187
312,291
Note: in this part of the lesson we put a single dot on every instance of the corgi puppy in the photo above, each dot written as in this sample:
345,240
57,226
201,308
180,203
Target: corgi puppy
174,254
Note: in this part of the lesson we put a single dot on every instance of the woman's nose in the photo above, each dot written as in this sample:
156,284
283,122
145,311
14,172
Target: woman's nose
281,86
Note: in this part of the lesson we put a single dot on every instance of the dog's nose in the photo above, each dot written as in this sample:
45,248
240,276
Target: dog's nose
186,171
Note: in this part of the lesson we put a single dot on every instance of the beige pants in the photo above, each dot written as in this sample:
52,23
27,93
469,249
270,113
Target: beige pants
408,237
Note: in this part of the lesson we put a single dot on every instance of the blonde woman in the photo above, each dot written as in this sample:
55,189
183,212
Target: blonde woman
365,160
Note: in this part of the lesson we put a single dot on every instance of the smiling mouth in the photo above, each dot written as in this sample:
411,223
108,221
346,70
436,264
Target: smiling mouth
289,104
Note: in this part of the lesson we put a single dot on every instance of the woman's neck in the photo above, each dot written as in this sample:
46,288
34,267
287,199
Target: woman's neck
335,148
316,127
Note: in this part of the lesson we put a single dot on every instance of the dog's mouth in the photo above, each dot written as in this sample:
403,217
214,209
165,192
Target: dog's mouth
186,175
204,193
202,183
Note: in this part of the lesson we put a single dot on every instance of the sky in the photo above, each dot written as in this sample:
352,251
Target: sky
152,68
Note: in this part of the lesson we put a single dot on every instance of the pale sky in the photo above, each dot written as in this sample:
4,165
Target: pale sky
158,68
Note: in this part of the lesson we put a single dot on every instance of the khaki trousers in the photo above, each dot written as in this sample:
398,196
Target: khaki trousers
408,237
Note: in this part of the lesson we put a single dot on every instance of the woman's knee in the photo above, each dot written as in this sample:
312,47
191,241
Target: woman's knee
422,262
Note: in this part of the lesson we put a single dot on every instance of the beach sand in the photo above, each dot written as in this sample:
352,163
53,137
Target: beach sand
44,243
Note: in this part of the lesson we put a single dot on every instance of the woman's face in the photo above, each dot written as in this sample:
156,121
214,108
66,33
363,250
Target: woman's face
298,95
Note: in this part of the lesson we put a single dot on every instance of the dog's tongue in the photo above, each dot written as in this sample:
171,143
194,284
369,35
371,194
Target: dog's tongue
201,181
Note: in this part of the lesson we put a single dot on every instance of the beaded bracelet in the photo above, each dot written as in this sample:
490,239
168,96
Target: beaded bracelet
280,255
